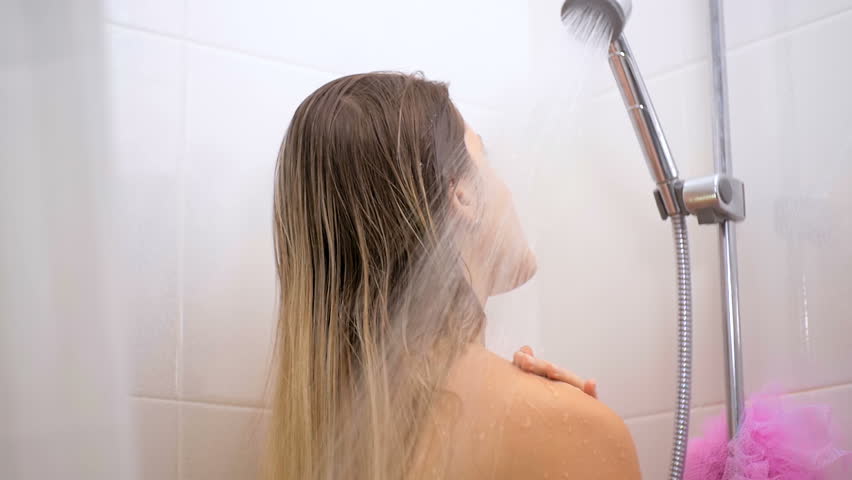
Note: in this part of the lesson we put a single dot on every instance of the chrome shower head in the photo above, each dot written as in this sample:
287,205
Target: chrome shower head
602,21
595,15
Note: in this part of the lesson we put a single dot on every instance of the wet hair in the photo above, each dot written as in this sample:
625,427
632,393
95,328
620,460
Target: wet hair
374,302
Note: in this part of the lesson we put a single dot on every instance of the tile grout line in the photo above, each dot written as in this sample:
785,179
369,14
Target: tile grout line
789,31
661,413
829,387
181,212
278,61
313,69
223,48
200,403
834,386
686,65
596,96
661,75
236,406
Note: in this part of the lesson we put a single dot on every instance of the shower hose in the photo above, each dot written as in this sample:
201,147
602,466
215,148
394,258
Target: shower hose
684,350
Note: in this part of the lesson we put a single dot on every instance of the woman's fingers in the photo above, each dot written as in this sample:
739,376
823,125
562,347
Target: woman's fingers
525,360
543,368
591,388
566,376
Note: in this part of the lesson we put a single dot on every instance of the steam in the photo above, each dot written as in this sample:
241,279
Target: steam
530,148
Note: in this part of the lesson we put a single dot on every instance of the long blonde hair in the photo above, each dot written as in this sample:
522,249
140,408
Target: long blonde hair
374,302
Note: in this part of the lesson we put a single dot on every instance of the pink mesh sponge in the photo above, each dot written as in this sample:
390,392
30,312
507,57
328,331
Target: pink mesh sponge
778,440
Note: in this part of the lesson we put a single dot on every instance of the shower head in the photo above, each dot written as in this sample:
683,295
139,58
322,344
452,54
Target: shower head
597,16
602,22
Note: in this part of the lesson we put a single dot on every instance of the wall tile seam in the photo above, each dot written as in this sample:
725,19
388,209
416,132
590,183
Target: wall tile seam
224,49
281,62
756,42
181,208
673,70
732,50
793,394
200,403
663,413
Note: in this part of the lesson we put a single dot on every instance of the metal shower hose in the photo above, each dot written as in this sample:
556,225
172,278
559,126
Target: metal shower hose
684,352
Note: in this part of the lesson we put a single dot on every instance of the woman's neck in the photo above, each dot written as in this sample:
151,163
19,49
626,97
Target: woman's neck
478,283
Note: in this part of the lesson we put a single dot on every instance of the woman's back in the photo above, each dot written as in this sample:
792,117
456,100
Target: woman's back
499,422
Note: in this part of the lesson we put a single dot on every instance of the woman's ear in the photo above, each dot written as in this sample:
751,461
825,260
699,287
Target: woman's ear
463,200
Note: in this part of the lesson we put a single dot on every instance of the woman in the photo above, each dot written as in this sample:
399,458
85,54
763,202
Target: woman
391,232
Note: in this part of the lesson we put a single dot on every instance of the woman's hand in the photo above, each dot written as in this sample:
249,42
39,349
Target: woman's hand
526,361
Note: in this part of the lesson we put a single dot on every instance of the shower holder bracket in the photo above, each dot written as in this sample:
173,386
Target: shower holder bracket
712,199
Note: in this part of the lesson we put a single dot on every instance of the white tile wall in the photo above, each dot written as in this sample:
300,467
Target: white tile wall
749,21
791,124
202,92
477,44
681,39
221,443
166,16
146,118
237,110
155,424
146,96
653,436
666,34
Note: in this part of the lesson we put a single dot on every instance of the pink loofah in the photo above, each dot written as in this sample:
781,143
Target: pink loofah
778,440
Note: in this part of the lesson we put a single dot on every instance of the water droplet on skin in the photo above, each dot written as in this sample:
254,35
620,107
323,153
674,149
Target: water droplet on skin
553,390
585,441
546,475
566,475
481,435
526,422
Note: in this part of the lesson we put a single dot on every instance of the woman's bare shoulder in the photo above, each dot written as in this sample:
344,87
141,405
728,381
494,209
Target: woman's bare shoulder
547,429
